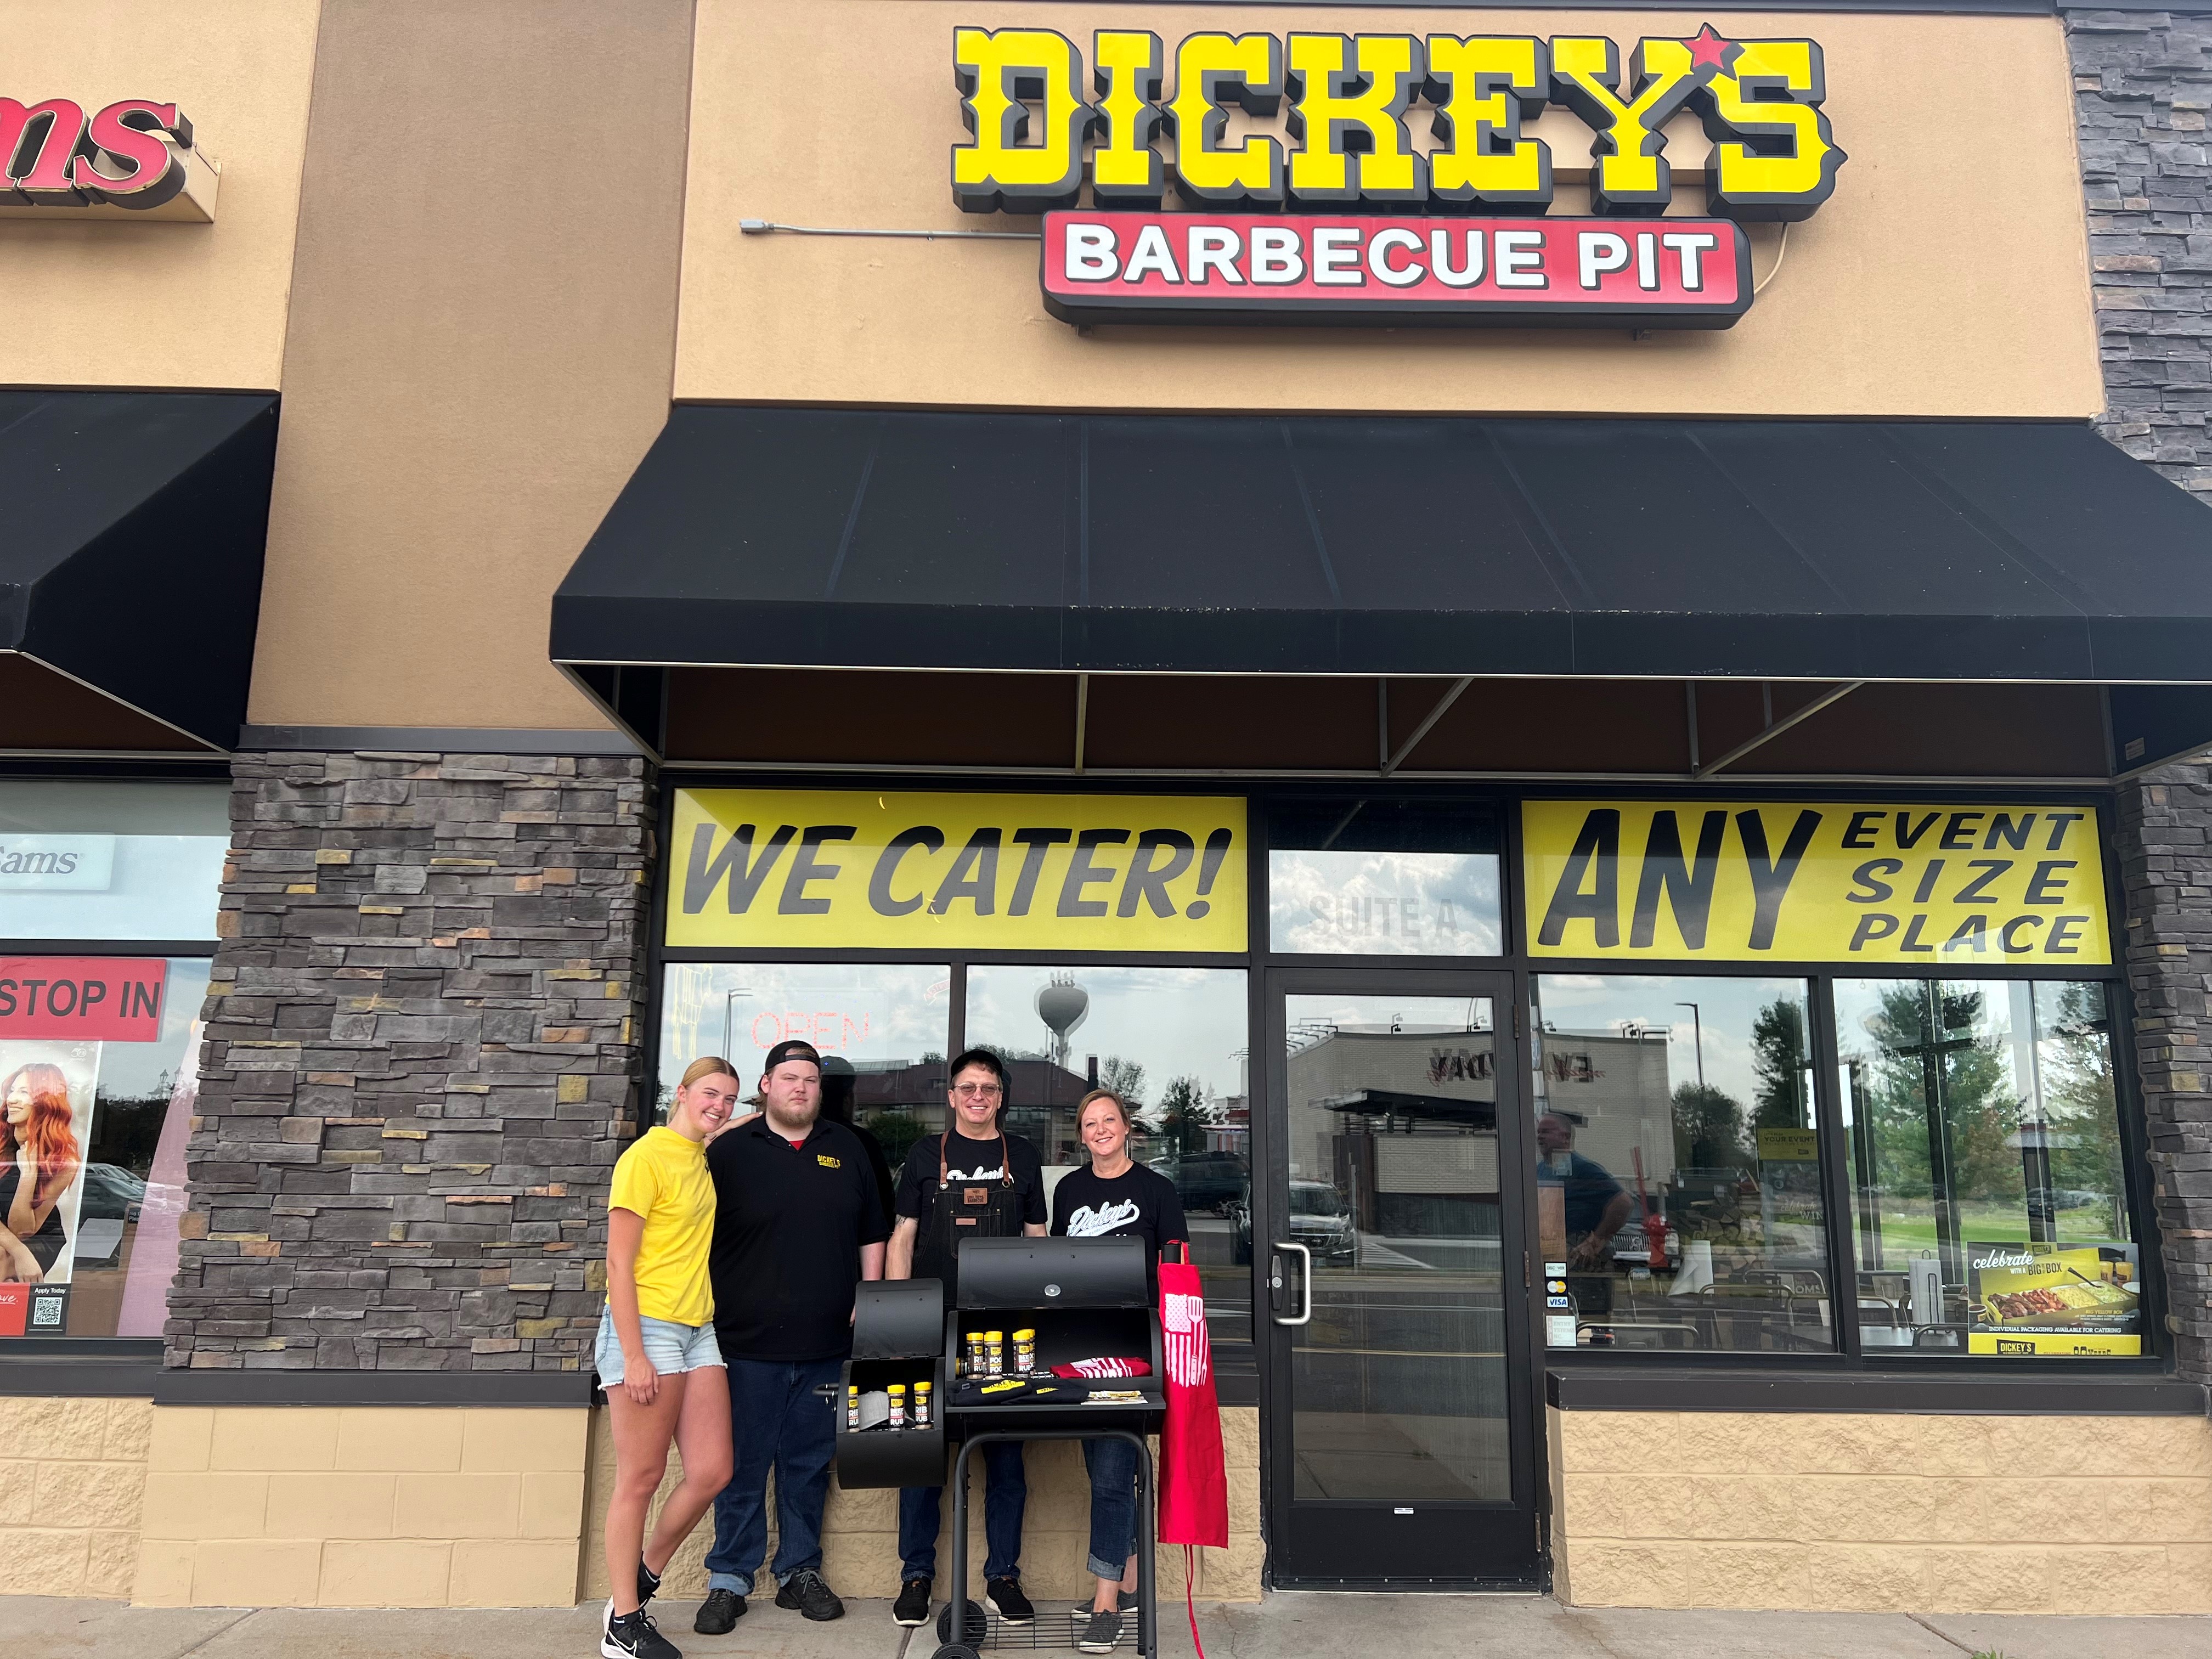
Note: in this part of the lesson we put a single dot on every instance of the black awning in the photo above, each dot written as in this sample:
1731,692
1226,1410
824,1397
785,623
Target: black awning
1321,545
130,558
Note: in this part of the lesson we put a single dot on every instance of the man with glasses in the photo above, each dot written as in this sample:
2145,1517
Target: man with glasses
974,1181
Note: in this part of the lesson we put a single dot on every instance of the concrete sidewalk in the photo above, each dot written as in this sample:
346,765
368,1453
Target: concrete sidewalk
1284,1627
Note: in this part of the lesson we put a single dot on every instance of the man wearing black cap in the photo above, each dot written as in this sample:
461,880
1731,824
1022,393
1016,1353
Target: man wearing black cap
797,1225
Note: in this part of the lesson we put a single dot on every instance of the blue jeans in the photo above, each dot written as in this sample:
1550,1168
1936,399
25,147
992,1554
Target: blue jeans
1005,1495
776,1419
1113,1466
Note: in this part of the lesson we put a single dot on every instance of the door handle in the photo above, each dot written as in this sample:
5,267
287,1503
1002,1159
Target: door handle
1305,1302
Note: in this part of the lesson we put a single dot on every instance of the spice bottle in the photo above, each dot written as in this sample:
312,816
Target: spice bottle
1025,1352
853,1407
898,1405
921,1396
994,1353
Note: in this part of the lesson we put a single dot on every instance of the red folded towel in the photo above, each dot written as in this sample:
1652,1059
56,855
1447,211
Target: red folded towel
1105,1368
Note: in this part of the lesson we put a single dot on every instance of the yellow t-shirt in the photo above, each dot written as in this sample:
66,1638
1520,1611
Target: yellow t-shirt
664,1178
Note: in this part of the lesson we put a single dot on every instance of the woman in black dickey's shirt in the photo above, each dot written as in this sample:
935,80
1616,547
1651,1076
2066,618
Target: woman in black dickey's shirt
1115,1197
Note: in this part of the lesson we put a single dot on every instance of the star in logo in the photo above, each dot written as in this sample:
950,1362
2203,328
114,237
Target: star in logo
1712,52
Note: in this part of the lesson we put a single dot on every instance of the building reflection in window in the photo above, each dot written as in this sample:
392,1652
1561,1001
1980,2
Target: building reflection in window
1679,1196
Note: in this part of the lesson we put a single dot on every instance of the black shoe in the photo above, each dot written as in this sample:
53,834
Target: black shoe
805,1592
634,1635
912,1607
722,1609
1003,1598
648,1582
1100,1635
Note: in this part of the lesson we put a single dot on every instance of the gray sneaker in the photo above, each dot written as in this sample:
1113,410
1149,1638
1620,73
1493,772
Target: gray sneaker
1100,1635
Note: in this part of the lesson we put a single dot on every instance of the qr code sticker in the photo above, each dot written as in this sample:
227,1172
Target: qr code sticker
46,1310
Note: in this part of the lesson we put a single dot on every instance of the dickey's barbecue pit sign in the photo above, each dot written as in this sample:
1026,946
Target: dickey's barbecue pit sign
862,870
1345,217
1947,886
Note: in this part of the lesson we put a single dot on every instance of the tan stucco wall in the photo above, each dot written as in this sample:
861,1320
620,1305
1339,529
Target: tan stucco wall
482,329
1882,1513
124,302
1947,276
70,1489
302,1506
859,1537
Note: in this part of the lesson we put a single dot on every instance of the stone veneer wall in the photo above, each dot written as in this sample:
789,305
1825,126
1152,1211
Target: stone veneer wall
1888,1512
2142,92
2166,873
421,1059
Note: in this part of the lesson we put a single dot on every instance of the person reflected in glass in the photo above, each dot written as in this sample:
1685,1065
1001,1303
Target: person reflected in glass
1115,1198
38,1159
1596,1207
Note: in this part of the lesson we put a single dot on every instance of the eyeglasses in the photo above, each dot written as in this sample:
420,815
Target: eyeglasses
977,1091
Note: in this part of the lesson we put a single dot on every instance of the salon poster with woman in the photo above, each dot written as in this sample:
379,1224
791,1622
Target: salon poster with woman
46,1091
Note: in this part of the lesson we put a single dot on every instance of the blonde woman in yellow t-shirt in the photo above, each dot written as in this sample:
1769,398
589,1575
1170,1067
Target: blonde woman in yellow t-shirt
656,1352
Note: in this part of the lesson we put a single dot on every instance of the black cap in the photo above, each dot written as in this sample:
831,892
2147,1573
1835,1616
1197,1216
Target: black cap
793,1049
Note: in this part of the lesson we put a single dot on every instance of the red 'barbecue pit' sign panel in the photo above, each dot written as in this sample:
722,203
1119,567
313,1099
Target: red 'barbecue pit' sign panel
95,998
1144,267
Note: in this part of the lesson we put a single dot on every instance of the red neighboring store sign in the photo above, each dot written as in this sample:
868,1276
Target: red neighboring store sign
96,998
1305,268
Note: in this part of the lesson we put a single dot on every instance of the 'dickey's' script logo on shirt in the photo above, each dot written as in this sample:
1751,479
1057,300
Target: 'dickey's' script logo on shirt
1087,1223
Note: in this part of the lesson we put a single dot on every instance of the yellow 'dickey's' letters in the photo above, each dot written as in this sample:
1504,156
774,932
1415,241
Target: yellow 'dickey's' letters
1349,95
1125,70
1000,74
1483,89
1945,887
1632,177
1211,72
863,870
1771,98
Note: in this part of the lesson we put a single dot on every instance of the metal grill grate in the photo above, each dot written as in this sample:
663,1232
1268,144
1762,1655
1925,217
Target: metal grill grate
1050,1633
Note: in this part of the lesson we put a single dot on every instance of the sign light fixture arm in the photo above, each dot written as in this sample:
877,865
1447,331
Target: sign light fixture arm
763,226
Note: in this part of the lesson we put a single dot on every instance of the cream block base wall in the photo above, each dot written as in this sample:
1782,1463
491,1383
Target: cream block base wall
859,1537
370,1507
1882,1513
72,1477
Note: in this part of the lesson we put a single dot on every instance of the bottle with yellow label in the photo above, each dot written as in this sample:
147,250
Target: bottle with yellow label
921,1398
898,1405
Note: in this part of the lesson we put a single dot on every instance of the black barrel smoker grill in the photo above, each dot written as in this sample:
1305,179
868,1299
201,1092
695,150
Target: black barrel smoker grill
1083,1297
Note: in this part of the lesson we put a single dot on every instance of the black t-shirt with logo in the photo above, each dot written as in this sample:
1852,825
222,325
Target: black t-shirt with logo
967,1159
789,1223
1138,1202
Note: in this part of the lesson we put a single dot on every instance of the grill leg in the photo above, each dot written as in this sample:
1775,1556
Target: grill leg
1148,1634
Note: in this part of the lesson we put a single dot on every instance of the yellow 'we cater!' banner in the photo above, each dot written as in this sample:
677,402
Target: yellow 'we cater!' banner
852,869
1944,886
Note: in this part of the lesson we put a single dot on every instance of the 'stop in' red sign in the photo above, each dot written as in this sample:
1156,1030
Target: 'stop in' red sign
92,998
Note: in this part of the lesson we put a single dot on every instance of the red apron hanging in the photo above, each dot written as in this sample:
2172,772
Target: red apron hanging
1193,1485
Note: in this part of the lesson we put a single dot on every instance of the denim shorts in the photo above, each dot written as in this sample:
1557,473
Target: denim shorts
672,1347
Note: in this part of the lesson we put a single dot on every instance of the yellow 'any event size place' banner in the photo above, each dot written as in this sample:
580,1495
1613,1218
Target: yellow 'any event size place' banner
851,869
1942,886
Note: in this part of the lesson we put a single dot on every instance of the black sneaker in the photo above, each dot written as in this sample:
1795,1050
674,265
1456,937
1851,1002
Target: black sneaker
804,1592
722,1609
912,1607
648,1582
634,1635
1100,1635
1003,1598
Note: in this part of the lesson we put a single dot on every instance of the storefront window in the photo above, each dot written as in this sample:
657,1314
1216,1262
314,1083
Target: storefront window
1171,1042
1989,1213
1678,1198
880,1028
97,859
1351,875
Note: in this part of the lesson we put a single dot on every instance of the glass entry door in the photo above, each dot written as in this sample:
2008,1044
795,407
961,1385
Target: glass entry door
1393,1257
